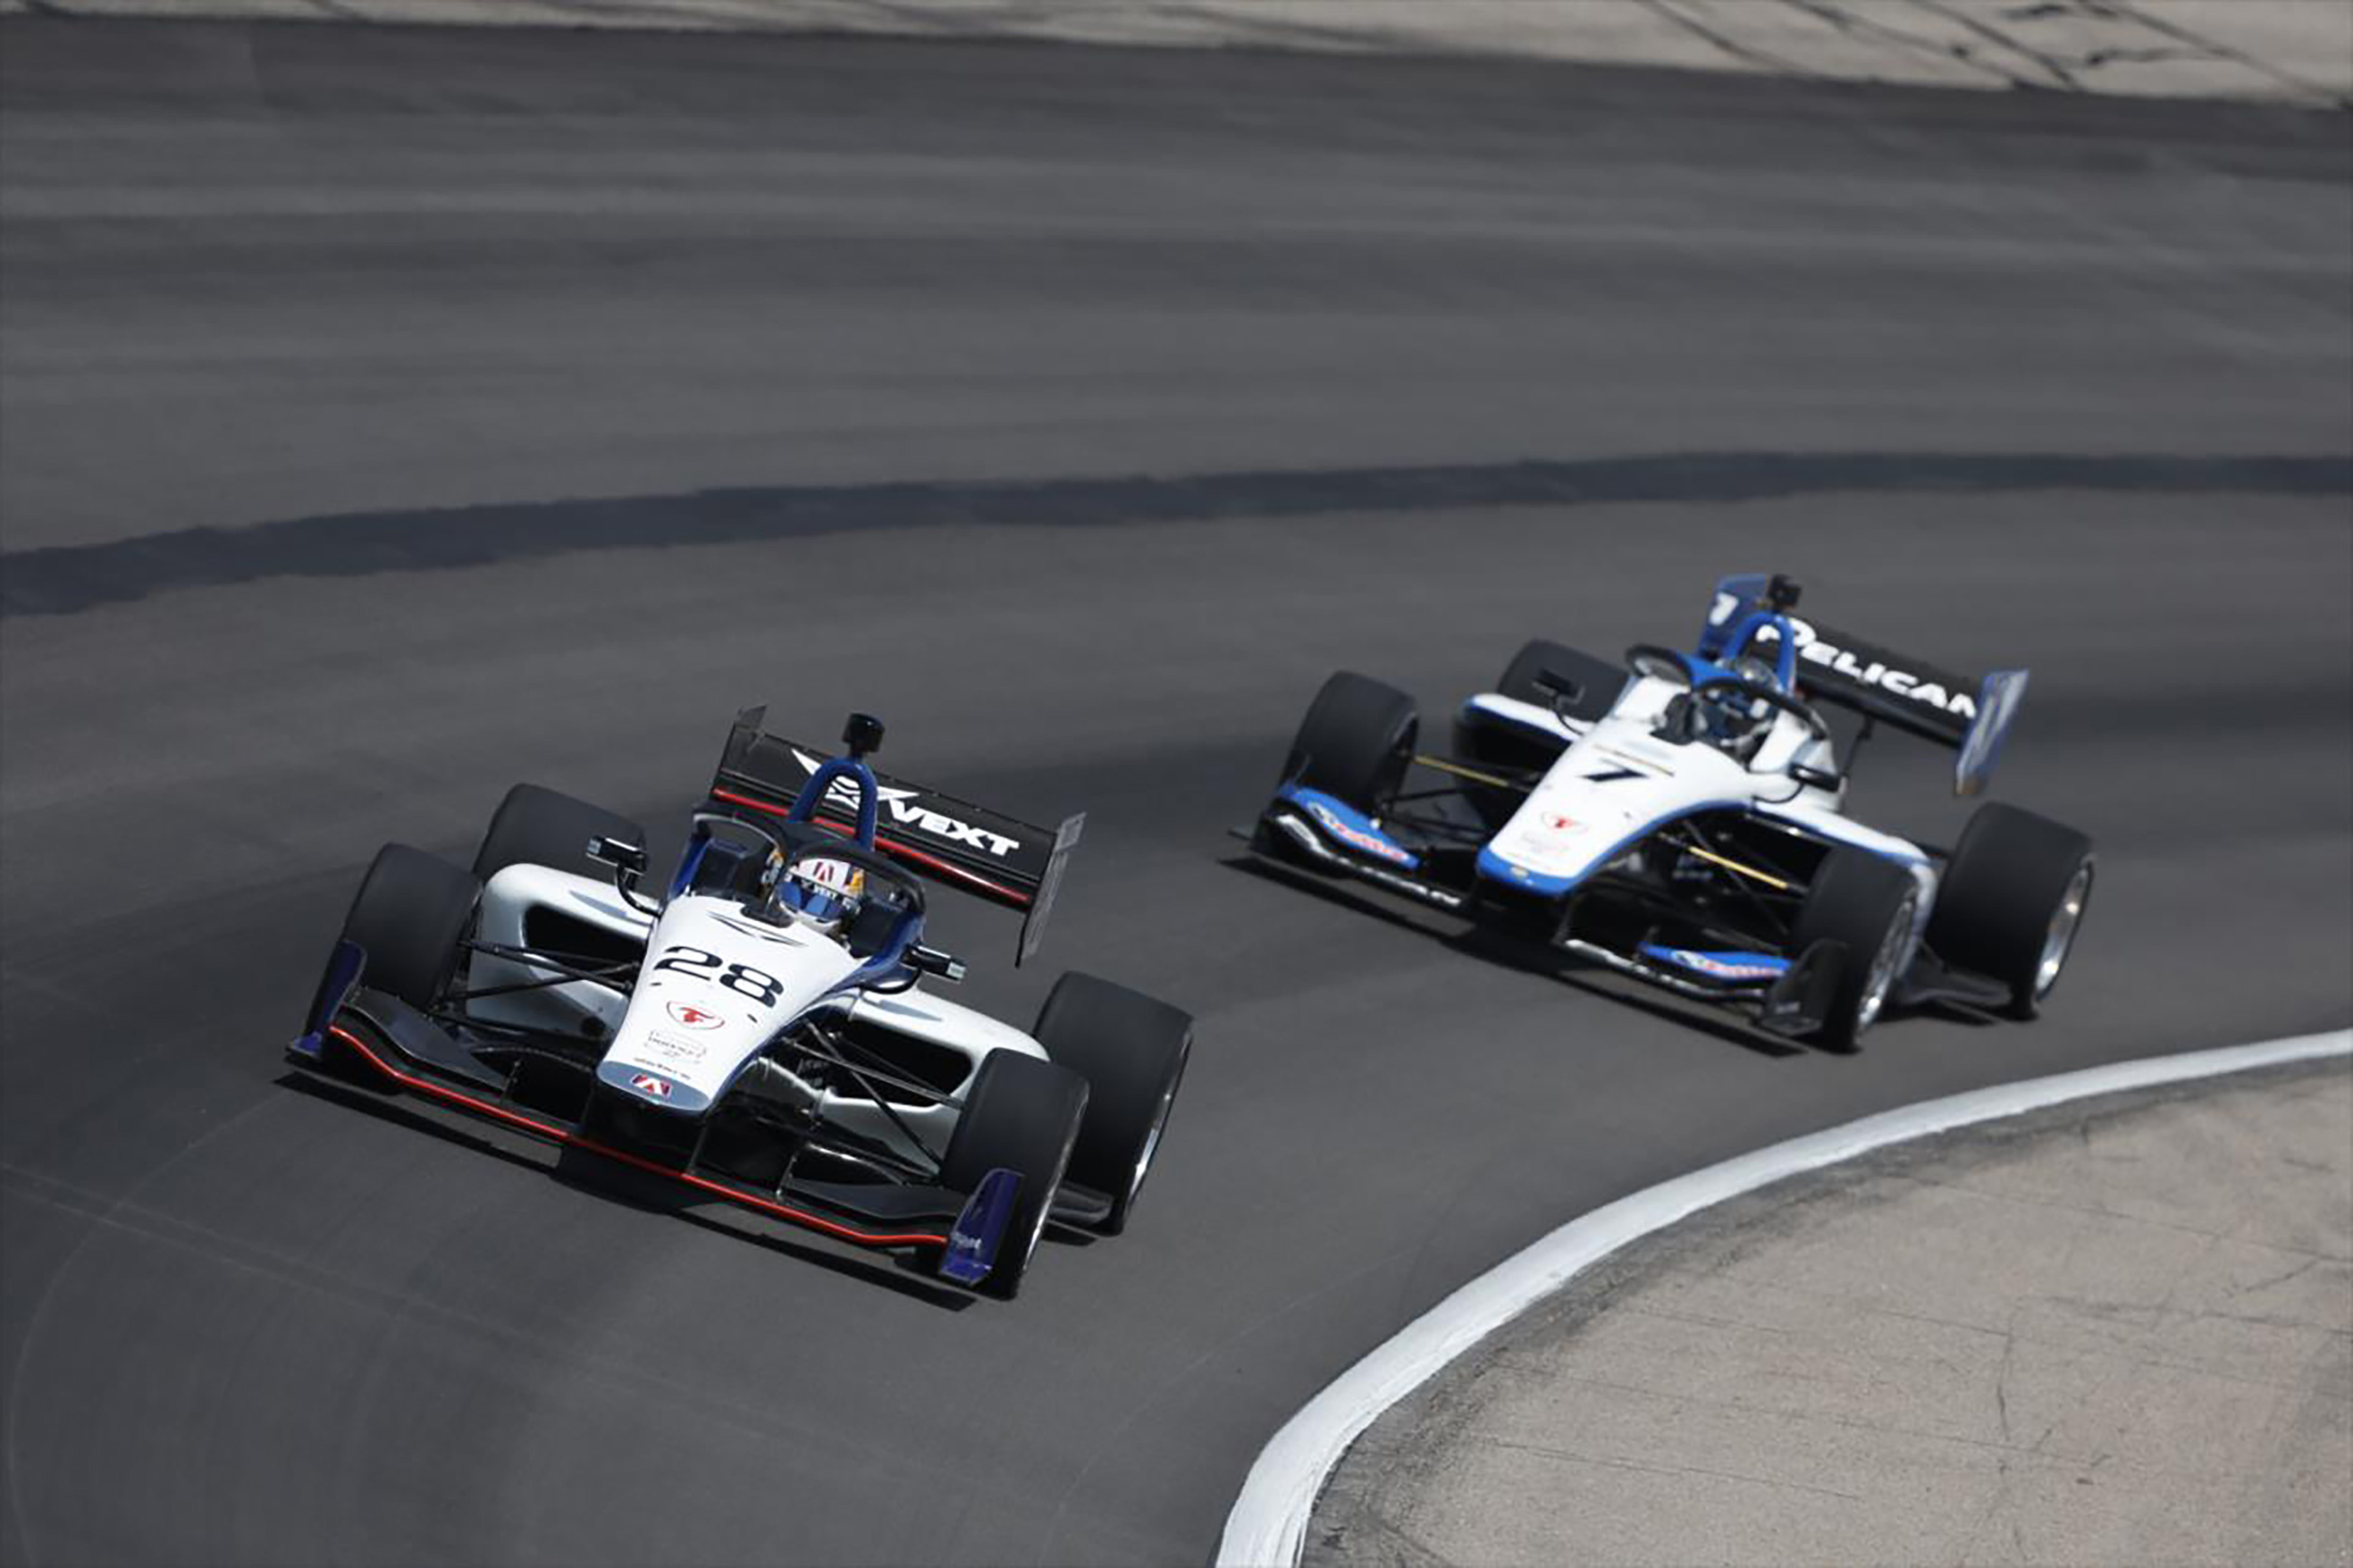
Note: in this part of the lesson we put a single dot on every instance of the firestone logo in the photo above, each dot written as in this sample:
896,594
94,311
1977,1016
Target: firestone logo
1347,833
1721,970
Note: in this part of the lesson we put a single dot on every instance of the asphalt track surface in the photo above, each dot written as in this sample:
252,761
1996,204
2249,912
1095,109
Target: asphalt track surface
1076,411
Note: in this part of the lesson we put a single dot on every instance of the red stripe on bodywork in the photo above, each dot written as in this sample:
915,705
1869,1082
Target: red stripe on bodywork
558,1133
889,846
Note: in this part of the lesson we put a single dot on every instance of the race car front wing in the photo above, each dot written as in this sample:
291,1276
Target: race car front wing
391,1046
1784,995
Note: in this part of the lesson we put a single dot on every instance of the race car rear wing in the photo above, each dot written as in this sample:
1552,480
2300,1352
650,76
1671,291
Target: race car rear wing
985,853
1973,716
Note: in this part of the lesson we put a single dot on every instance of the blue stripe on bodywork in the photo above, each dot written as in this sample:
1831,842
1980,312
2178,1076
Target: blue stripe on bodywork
1495,867
1471,709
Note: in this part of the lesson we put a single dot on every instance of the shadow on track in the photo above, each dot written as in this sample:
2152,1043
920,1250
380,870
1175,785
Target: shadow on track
1527,958
590,1175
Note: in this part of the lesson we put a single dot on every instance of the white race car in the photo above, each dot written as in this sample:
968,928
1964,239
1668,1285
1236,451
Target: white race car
1681,819
765,1030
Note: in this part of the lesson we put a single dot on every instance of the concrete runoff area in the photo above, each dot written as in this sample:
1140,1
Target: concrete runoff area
2008,379
2291,51
2115,1332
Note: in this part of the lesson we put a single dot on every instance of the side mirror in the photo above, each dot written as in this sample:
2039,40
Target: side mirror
932,961
628,863
1560,685
1566,693
619,855
1815,778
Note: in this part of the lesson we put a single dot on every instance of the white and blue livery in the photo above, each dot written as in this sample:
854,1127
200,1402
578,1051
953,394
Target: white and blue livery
1680,817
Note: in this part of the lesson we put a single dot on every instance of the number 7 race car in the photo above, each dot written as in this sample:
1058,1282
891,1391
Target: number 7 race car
1681,820
763,1031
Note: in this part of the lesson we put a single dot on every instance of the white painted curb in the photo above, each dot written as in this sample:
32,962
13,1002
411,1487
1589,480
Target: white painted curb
1268,1526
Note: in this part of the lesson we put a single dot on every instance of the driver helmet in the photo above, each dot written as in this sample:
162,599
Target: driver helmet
1735,721
822,891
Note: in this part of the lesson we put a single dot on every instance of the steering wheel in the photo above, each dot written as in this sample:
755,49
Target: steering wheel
1717,687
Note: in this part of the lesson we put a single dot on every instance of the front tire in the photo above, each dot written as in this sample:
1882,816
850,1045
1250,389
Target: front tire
1867,904
2012,898
410,917
1355,743
539,827
1132,1049
1024,1115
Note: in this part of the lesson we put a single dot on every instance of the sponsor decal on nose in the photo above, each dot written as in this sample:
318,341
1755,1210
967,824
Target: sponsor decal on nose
647,1083
690,1016
1348,833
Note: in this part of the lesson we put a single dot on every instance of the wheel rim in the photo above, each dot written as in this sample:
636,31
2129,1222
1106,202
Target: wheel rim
1882,977
1036,1230
2061,935
1152,1137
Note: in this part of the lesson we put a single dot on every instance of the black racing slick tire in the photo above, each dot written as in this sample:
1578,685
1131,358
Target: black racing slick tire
1132,1049
1598,681
1023,1115
1355,743
1867,904
410,917
537,826
2012,898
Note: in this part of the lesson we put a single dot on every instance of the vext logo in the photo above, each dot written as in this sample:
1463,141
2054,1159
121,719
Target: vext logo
898,805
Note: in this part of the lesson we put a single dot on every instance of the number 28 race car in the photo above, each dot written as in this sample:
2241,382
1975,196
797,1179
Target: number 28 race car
764,1030
1681,819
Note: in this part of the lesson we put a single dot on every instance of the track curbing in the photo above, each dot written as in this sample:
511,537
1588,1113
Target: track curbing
1267,1526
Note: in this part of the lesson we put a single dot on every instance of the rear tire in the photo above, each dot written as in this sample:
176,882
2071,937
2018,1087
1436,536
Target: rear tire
2011,901
1132,1049
1866,904
411,914
1024,1115
1355,743
537,826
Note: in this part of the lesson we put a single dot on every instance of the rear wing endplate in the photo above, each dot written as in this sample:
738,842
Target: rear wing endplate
1972,715
952,841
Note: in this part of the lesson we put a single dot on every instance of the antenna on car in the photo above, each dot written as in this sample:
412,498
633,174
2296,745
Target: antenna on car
862,735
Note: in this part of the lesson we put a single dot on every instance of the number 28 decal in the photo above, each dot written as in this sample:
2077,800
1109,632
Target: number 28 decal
740,978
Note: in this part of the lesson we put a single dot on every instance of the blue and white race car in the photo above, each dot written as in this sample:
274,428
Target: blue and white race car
1679,818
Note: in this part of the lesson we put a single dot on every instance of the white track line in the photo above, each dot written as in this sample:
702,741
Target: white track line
1268,1527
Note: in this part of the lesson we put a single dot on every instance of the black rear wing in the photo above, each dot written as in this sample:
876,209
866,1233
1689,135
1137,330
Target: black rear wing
985,853
1972,715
